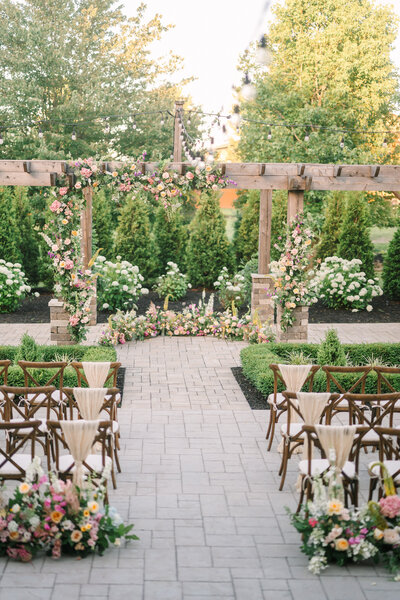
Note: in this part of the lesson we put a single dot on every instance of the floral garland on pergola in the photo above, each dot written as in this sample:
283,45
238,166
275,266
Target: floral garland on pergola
63,234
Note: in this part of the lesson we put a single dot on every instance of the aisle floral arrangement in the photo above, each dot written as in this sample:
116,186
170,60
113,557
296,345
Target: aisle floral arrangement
74,283
332,533
291,272
196,320
45,514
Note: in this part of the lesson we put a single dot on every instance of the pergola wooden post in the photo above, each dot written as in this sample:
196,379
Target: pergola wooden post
262,282
177,131
87,243
293,177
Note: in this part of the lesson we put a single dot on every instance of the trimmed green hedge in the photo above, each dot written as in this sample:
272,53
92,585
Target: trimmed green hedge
255,361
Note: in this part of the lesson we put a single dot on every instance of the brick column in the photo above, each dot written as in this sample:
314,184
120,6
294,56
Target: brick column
58,324
260,301
299,331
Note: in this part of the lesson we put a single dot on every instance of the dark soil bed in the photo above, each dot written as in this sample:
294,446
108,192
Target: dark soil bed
253,396
36,310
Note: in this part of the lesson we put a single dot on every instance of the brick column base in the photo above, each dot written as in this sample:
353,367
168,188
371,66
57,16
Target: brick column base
299,331
58,324
260,301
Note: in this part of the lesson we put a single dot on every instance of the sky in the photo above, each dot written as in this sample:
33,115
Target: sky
210,35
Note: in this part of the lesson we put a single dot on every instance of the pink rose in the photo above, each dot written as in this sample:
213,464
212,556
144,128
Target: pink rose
86,172
68,264
78,185
55,206
390,506
73,320
189,175
62,191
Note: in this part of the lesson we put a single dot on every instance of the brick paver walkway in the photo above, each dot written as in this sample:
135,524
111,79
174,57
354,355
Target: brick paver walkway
202,491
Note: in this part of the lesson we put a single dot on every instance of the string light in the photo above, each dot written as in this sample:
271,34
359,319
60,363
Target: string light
106,127
162,122
235,118
342,143
384,143
307,137
1,139
73,136
40,133
249,91
134,125
269,136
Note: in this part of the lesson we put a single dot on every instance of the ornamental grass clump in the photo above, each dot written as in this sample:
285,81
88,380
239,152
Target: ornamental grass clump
230,288
173,283
13,286
340,283
119,284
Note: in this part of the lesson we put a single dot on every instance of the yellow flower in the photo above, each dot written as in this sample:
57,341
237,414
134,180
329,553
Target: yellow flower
86,513
160,186
341,544
76,536
88,526
378,534
163,194
95,184
83,528
74,233
93,507
114,173
282,268
133,168
335,507
296,291
208,168
64,221
14,535
24,487
56,516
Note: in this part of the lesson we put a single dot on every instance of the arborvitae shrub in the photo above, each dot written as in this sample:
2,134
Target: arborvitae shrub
330,234
28,350
391,268
170,239
355,241
330,351
28,237
246,238
103,224
10,237
208,247
133,241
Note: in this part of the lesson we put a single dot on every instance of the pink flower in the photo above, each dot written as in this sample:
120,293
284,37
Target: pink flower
390,506
55,206
189,175
86,172
62,191
68,264
73,320
78,185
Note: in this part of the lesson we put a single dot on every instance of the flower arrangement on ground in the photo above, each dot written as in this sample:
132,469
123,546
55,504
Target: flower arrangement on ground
340,283
196,320
53,516
173,284
332,533
119,283
230,288
291,272
13,286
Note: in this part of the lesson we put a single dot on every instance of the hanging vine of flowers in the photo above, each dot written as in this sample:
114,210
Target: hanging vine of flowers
74,283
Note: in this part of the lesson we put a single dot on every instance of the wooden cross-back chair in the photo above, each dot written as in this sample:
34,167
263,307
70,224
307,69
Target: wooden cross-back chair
4,366
13,462
277,401
54,377
389,455
63,462
310,467
335,385
111,380
384,383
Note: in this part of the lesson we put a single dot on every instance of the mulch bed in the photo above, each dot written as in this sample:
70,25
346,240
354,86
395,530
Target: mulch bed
36,310
253,396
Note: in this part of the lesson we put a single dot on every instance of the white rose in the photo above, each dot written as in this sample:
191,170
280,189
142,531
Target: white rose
144,291
369,307
105,305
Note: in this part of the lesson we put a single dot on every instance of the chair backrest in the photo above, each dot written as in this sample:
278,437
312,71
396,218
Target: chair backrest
17,436
370,410
111,380
109,405
39,404
279,379
56,445
55,377
4,365
357,385
389,448
383,379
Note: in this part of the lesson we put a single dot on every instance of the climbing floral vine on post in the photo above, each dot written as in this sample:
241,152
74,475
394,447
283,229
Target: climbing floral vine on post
74,283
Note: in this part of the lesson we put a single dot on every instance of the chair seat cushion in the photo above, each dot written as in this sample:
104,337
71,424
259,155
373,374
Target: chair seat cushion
22,460
42,427
56,395
94,461
320,465
294,429
393,466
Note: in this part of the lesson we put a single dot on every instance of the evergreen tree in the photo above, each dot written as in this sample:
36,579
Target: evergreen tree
330,351
246,239
103,225
391,268
170,238
355,241
279,221
208,248
28,237
10,238
133,241
330,234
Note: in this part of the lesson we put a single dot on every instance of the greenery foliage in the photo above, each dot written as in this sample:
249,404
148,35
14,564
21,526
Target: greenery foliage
170,239
355,241
330,234
103,223
173,284
208,248
330,351
119,284
391,268
10,239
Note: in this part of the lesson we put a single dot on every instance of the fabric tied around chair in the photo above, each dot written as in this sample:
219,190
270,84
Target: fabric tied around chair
79,436
90,401
294,377
339,439
96,373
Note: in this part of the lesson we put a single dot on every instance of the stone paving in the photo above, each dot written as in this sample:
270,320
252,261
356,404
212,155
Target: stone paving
202,491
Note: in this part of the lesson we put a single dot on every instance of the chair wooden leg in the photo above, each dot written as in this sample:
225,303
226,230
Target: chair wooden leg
117,459
301,498
272,432
285,460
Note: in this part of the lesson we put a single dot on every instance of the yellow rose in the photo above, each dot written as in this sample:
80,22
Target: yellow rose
93,507
88,526
74,233
64,221
296,291
114,173
14,535
83,528
24,487
86,513
335,507
76,536
341,544
56,516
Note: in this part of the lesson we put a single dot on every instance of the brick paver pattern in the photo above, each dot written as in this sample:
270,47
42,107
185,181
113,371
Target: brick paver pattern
202,491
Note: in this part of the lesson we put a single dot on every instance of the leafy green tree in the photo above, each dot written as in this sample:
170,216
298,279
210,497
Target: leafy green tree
133,240
355,241
246,239
103,225
330,351
68,63
391,268
170,238
330,234
208,249
10,238
331,67
28,237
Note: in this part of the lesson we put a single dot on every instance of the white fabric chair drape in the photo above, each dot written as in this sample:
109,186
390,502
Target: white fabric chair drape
340,439
79,436
96,373
294,376
90,401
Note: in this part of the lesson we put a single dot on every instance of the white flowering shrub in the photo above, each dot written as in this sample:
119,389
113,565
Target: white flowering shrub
230,289
173,283
119,284
13,286
340,283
